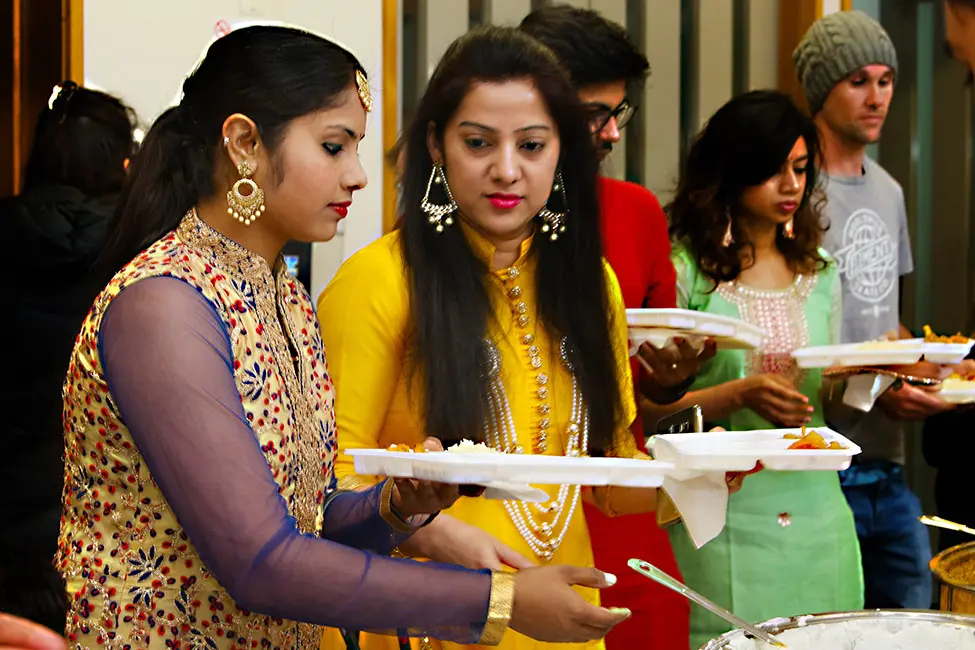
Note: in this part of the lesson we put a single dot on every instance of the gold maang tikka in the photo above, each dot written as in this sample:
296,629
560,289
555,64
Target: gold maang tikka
362,85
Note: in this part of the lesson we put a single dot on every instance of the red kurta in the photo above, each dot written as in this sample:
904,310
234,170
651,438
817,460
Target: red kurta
637,246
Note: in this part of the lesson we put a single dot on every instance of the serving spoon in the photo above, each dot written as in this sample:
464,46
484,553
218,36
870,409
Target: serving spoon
655,574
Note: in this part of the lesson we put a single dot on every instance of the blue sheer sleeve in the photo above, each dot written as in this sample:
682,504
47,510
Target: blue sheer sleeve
169,367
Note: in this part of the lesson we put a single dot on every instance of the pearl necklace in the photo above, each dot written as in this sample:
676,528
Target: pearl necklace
543,538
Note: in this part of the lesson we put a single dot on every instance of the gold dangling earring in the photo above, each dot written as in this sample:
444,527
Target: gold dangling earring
439,213
553,221
245,208
728,238
788,230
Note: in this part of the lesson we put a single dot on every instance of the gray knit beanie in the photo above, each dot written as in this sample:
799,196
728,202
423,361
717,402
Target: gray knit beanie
836,45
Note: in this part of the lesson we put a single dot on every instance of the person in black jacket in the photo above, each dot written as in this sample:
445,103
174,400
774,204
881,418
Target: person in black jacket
53,231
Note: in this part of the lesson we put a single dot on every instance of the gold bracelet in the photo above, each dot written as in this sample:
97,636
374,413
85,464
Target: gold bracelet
499,607
386,510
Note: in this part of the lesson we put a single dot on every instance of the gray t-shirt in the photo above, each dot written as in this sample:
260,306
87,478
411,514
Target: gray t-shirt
869,238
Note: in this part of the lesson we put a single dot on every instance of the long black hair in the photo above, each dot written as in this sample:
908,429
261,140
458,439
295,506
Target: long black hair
744,144
271,74
82,140
450,304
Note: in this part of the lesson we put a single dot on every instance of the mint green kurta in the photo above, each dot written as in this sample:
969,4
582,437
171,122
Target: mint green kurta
790,544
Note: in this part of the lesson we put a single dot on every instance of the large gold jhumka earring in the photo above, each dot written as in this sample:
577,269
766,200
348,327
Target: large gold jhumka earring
245,208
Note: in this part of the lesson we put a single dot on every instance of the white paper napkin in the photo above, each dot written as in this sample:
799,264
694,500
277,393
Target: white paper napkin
863,390
504,491
703,504
662,337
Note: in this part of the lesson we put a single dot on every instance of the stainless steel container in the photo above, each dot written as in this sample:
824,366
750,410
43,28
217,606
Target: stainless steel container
955,570
778,625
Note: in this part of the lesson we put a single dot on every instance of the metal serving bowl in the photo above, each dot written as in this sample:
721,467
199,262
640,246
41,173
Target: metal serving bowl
955,570
777,625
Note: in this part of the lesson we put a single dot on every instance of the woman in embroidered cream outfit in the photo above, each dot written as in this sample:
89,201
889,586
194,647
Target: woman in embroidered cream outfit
490,315
199,428
747,233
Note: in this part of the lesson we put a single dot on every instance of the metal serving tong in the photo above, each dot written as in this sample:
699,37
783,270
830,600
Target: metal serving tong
938,522
655,574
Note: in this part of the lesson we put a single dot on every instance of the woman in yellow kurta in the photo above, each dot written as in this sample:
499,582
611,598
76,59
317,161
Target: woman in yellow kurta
490,315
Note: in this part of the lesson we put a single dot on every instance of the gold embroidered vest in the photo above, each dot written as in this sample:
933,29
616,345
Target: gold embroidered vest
134,578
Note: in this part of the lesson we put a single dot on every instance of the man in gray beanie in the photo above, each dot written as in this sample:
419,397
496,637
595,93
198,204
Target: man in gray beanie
847,66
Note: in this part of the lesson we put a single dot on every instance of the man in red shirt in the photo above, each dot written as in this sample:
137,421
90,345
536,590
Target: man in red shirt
604,64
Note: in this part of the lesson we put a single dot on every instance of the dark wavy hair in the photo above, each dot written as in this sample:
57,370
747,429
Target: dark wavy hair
593,49
743,145
82,140
450,304
271,74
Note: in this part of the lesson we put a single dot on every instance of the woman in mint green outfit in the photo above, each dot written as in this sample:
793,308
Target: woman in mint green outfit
747,232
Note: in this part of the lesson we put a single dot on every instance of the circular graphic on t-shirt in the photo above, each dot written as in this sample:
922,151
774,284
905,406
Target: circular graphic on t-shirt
868,256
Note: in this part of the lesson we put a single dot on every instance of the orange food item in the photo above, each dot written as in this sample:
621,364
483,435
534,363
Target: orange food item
931,337
418,449
811,440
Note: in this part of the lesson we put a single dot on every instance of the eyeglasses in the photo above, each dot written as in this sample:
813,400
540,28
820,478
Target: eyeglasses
600,115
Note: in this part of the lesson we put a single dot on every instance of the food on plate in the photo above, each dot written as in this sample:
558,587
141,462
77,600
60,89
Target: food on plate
406,449
958,382
931,337
883,345
811,440
470,447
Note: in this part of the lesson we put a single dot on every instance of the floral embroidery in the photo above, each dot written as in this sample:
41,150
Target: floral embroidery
134,577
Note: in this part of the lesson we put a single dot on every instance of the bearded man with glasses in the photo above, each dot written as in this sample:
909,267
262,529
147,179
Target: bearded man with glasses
604,65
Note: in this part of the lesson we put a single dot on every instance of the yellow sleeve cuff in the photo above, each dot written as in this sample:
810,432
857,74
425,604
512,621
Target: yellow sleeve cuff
499,609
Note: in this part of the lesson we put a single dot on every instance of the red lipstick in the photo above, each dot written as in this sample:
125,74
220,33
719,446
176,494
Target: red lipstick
342,209
504,201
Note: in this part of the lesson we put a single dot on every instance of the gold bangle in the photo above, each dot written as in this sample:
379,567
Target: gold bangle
386,511
501,604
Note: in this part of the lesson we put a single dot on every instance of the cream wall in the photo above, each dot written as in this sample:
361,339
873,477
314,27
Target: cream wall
143,50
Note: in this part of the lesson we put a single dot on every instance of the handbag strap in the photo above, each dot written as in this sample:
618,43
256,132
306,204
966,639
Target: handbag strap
351,638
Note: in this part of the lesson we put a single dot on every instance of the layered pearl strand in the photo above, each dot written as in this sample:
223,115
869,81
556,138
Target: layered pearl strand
543,537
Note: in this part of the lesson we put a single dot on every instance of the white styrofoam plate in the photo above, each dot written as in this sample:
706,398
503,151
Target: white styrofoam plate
661,338
656,324
484,469
894,353
740,451
564,470
947,354
957,391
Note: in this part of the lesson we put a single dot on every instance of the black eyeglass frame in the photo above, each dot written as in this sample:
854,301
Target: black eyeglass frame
601,114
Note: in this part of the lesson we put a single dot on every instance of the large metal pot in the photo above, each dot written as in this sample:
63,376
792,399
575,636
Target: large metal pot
914,617
955,570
